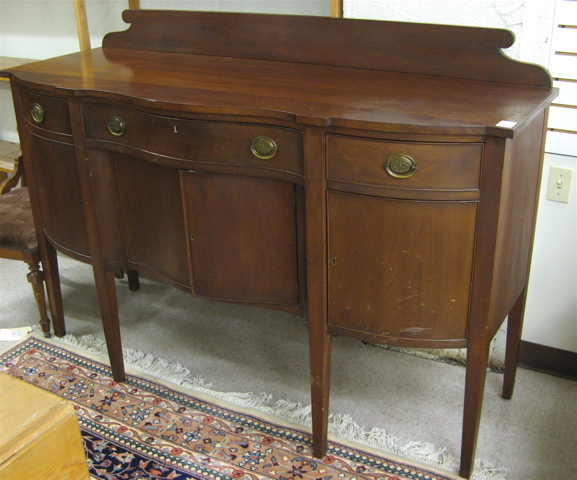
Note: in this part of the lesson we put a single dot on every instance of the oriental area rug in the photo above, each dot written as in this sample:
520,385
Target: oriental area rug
147,428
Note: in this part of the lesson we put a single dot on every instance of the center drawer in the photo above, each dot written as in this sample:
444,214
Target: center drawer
226,143
404,165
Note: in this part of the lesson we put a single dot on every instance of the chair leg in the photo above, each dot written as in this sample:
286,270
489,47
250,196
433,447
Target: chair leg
36,279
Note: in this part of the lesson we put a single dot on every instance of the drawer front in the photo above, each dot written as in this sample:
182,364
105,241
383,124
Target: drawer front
47,113
202,141
437,166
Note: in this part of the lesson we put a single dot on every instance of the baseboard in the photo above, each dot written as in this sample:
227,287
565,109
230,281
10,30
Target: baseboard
553,361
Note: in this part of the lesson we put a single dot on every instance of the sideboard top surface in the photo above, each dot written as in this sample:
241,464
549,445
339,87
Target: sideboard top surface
279,86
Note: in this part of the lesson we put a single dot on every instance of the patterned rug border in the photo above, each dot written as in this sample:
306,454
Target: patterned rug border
175,381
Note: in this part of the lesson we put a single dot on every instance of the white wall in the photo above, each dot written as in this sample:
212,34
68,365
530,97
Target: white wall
46,28
551,310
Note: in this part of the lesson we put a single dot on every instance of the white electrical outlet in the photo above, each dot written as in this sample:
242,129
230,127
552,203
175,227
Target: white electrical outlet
559,186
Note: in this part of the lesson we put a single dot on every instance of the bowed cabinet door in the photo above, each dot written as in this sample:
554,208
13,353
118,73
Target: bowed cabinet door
58,187
399,270
243,240
152,215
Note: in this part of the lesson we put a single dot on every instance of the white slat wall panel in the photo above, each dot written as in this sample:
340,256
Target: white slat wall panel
562,134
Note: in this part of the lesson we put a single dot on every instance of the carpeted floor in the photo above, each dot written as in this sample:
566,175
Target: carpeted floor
149,428
237,348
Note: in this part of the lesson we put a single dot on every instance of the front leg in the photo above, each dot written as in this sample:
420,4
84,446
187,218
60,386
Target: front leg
320,358
320,342
52,280
106,289
477,363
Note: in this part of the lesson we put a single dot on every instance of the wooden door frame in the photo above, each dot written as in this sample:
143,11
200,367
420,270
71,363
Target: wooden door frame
337,8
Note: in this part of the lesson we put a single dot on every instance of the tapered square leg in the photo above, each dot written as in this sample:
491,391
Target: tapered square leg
477,362
514,330
106,289
52,279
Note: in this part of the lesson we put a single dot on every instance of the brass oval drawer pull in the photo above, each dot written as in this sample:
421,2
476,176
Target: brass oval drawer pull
400,165
264,148
116,126
37,113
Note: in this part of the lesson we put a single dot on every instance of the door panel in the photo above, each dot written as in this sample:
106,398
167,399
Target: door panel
242,236
58,188
416,259
153,217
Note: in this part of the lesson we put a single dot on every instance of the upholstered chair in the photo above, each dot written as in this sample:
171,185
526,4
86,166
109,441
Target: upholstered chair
18,238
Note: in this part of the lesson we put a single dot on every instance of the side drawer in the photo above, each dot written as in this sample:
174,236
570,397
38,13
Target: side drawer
47,113
439,166
225,143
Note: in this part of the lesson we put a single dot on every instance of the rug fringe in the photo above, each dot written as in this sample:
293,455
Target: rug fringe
377,438
340,425
143,362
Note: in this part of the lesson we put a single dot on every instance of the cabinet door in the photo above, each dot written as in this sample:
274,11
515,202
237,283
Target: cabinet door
58,188
242,233
153,218
398,268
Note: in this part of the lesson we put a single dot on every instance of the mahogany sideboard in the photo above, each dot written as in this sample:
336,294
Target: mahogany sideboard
378,177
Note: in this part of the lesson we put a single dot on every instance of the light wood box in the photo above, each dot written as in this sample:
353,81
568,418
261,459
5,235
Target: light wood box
39,434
